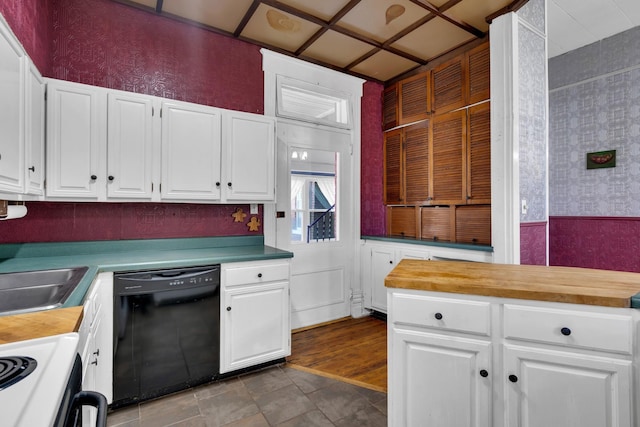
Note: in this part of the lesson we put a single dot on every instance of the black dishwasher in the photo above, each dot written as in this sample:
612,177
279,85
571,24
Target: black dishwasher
166,331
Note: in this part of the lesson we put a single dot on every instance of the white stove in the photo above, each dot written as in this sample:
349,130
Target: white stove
35,399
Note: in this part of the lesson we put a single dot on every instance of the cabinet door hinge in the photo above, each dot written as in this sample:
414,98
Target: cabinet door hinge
152,187
161,113
45,93
153,111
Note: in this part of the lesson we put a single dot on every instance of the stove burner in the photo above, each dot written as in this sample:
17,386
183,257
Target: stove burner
15,368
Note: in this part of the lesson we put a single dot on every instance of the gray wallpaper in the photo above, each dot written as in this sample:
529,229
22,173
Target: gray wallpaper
533,13
532,91
594,105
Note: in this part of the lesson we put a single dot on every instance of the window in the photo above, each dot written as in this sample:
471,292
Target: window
312,103
313,196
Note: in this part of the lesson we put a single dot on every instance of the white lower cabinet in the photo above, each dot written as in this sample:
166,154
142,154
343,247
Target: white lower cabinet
558,388
254,313
462,360
96,342
378,258
440,378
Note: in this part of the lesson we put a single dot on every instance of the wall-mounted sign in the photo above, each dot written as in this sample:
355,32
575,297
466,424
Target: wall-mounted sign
601,159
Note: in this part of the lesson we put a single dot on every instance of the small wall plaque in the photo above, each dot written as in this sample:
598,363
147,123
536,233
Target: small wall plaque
601,159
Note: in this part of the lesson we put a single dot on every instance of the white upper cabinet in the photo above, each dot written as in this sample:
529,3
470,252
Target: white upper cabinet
249,157
76,135
110,145
34,136
130,146
190,152
12,102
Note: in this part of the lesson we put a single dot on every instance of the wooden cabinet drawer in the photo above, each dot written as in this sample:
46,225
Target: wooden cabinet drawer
442,313
254,272
597,331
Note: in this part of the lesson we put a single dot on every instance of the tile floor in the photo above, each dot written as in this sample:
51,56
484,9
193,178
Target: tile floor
275,396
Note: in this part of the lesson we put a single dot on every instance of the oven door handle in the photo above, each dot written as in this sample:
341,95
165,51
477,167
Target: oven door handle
95,399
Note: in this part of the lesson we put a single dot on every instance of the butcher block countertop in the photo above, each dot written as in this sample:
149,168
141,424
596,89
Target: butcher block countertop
530,282
40,324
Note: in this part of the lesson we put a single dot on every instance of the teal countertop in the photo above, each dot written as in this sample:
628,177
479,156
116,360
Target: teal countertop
132,255
413,241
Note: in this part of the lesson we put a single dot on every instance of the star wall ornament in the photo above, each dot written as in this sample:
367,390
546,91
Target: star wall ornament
254,224
239,215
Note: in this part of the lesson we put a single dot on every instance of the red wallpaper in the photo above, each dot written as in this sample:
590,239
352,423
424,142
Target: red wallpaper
373,213
103,43
533,243
54,222
30,22
607,243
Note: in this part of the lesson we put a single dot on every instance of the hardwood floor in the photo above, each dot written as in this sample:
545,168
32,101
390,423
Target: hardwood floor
352,350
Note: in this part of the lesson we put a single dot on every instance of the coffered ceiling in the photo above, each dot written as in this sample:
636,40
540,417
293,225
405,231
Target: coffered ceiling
376,39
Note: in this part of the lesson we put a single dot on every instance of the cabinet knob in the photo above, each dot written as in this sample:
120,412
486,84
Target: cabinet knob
565,331
93,177
259,275
484,373
218,184
97,352
390,262
513,378
438,316
95,362
229,184
111,178
32,168
228,308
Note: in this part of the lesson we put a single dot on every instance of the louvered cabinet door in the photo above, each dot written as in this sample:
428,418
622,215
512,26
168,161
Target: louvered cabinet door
416,170
478,74
448,178
393,168
479,154
390,107
414,98
449,82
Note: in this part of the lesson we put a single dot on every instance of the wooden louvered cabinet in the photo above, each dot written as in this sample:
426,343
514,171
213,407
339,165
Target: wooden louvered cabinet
479,154
448,138
461,156
390,107
407,101
406,165
462,81
449,85
478,74
393,168
414,98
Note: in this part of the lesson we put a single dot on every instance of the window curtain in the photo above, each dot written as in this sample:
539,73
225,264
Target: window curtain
328,187
297,183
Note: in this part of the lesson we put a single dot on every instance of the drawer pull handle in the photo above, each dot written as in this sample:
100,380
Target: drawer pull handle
513,378
228,308
565,331
484,373
438,316
259,275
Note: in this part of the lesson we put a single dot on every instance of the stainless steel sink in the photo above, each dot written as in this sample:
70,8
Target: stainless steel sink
37,290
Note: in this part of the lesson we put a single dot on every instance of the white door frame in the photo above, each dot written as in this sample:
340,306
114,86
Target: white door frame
274,64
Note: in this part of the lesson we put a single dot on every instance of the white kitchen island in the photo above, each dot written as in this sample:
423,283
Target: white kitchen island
488,345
